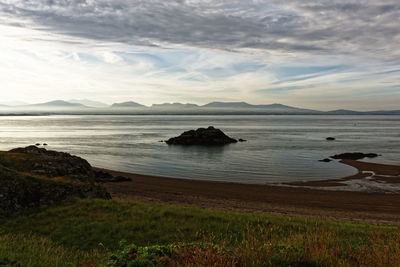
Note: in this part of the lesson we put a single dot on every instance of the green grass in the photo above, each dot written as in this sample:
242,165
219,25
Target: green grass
34,250
95,227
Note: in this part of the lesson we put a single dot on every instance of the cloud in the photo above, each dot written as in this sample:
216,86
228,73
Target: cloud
365,28
297,52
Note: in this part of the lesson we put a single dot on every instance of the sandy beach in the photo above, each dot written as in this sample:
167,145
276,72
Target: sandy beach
297,199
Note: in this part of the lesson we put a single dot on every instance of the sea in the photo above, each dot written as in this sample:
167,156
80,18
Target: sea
278,149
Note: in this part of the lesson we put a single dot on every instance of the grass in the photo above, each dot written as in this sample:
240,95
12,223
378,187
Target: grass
92,230
35,250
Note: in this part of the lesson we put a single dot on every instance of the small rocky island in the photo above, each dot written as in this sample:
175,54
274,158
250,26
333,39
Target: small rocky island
202,136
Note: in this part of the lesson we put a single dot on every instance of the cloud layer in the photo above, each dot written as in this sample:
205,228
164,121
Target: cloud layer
369,28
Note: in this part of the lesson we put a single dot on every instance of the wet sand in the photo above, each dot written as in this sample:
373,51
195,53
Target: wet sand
300,199
379,174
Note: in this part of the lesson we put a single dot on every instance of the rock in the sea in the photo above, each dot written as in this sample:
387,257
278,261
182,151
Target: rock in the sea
242,140
330,138
325,160
202,136
354,156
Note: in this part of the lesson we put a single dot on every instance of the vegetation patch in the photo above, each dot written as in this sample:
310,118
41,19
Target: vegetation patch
34,250
169,235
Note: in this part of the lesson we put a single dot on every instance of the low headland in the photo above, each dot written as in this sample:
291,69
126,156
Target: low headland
57,210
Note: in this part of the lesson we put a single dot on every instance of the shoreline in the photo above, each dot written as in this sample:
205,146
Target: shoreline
301,200
371,177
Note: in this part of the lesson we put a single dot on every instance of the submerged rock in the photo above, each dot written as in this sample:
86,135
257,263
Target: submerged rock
355,155
202,136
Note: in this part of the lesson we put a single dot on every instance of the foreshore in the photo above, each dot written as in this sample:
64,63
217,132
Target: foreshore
296,199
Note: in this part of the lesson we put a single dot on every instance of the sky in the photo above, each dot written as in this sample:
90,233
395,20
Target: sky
320,54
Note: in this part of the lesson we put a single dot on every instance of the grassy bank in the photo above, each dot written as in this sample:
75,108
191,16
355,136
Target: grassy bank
90,230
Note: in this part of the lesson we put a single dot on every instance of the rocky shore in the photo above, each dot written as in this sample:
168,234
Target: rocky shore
31,177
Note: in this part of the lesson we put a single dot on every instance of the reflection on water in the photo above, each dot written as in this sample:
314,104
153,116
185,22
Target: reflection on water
279,148
201,152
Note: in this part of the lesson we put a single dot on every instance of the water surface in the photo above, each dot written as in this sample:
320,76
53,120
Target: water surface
279,148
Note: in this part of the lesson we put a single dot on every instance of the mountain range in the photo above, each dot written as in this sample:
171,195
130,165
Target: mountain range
89,103
86,106
129,104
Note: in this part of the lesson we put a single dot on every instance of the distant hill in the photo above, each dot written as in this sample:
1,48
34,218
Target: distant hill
228,105
384,112
245,105
278,108
57,104
343,112
86,106
174,105
129,104
89,103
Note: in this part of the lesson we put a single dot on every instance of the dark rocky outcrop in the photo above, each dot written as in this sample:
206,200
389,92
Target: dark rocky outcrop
17,196
202,136
31,177
325,160
105,177
355,155
50,163
118,179
242,140
102,175
330,139
19,193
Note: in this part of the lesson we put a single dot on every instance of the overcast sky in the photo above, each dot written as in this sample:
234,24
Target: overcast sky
322,54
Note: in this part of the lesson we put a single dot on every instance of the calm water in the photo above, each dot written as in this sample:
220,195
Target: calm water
279,148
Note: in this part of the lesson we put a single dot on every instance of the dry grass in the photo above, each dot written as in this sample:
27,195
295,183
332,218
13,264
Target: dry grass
316,247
